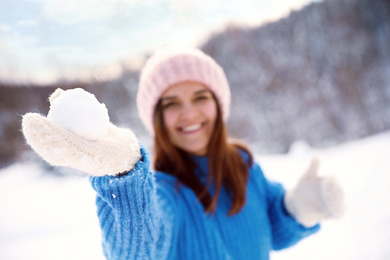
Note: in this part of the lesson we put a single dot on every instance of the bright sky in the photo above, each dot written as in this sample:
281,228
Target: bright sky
41,40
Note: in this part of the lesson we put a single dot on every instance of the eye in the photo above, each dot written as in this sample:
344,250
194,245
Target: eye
201,98
169,104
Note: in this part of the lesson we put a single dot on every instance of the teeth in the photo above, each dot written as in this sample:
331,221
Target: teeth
191,128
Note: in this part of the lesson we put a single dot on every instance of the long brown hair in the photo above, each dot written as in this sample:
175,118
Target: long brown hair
226,166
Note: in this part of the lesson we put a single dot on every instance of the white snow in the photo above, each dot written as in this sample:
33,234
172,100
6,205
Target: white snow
47,217
80,112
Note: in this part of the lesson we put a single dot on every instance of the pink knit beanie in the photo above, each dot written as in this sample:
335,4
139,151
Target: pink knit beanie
170,66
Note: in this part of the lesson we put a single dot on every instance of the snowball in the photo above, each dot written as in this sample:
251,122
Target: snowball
80,112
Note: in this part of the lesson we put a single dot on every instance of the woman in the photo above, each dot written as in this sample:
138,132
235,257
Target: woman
206,198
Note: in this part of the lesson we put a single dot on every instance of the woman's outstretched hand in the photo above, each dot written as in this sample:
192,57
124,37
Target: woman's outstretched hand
315,198
77,134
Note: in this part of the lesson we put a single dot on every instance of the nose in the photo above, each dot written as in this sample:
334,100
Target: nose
189,112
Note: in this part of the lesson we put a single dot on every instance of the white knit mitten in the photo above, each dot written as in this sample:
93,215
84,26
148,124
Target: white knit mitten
315,198
96,152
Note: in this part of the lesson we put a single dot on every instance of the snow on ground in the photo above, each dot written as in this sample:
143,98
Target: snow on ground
43,216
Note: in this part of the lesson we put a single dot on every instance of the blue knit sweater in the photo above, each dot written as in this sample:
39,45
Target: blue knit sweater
143,216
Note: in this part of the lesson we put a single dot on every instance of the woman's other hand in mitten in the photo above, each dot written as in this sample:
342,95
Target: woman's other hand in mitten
315,198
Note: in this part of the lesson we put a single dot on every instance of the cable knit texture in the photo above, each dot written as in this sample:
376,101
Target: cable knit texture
170,66
143,216
116,152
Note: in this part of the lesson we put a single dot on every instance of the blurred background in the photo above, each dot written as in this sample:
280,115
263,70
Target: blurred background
320,73
302,74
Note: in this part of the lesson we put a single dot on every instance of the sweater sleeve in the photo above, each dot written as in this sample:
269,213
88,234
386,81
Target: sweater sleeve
285,230
136,219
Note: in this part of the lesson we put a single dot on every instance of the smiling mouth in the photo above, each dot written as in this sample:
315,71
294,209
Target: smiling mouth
191,128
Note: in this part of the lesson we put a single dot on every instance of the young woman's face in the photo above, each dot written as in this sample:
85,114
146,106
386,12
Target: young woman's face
189,112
